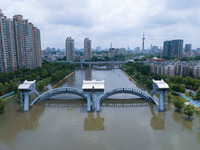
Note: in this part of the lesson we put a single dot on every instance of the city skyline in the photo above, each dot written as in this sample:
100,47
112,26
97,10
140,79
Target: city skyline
122,24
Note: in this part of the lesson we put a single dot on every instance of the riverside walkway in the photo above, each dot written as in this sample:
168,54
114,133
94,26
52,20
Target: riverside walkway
192,101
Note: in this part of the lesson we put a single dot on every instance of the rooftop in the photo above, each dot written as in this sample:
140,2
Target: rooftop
90,84
26,85
161,84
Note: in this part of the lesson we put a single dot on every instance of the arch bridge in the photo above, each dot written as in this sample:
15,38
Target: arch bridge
64,90
90,88
132,91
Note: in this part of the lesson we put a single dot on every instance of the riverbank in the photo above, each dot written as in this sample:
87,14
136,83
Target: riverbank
132,79
61,80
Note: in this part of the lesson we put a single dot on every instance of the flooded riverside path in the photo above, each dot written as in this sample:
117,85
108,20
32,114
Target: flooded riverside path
63,123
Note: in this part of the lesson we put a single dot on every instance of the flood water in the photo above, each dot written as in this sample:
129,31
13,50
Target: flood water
124,123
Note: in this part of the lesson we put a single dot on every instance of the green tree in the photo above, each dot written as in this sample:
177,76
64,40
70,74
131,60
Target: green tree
2,105
198,93
41,86
179,103
189,110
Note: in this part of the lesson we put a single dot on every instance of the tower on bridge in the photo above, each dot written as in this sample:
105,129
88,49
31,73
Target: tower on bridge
27,88
91,87
161,88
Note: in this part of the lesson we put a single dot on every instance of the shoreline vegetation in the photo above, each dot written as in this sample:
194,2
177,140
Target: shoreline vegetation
139,73
48,73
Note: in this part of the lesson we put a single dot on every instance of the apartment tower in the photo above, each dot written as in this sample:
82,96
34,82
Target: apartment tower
173,48
20,44
87,49
69,49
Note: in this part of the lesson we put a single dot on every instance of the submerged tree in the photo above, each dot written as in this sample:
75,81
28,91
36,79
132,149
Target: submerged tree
189,110
179,103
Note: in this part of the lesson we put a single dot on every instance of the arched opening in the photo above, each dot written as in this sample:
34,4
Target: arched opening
132,91
58,91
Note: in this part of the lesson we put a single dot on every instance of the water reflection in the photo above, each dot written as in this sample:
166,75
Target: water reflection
70,81
12,122
157,121
94,122
198,137
124,103
88,74
179,118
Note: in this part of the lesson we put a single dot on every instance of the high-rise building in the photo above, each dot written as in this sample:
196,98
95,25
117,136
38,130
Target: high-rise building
177,48
17,43
4,60
173,48
69,49
188,47
87,48
167,49
18,25
11,45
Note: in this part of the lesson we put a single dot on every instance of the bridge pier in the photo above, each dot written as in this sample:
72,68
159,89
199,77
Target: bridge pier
161,88
27,88
26,101
98,96
166,99
88,101
161,101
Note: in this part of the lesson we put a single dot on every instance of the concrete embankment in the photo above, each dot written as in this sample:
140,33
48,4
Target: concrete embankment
61,80
132,80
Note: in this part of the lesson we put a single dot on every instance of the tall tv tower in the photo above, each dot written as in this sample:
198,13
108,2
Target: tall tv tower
143,43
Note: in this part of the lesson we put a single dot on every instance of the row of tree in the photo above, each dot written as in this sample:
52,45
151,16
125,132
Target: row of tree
49,72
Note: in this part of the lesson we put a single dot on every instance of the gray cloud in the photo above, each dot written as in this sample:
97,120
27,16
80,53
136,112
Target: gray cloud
119,21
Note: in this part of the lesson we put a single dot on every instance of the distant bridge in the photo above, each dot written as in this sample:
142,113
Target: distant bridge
93,63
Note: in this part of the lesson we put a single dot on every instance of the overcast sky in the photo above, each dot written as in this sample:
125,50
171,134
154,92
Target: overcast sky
121,22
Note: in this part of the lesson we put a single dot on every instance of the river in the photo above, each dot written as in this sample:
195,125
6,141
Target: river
64,124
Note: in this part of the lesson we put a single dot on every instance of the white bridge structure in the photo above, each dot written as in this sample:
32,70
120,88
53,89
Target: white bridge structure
92,92
27,88
160,87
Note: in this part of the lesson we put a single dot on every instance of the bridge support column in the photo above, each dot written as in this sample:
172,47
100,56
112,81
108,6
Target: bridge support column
88,101
81,66
90,66
26,101
161,101
21,101
98,95
166,100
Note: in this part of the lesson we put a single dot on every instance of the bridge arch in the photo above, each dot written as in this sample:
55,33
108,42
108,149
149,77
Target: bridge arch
57,91
139,93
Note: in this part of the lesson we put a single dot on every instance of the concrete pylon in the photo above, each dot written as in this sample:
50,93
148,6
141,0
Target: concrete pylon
88,101
161,101
98,96
161,88
27,88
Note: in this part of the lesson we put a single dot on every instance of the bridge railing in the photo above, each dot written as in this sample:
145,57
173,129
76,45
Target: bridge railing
61,89
126,89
